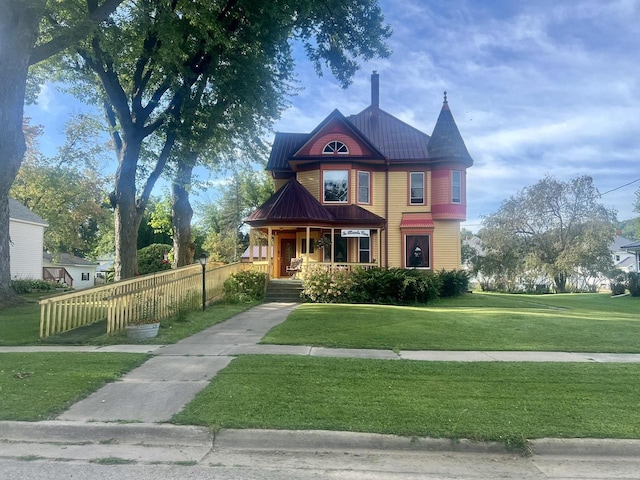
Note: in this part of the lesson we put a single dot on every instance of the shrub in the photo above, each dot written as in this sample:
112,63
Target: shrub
152,258
374,285
245,286
453,282
617,281
322,286
633,284
33,285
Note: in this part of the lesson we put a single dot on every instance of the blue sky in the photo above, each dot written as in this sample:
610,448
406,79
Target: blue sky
536,88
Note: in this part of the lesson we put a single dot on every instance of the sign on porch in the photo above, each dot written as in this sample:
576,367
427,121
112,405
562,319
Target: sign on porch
354,233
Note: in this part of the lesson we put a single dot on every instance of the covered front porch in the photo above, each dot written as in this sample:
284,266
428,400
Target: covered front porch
299,248
300,232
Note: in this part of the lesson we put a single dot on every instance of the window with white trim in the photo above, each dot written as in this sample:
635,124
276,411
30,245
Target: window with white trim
456,186
364,249
416,188
336,186
417,251
335,147
364,187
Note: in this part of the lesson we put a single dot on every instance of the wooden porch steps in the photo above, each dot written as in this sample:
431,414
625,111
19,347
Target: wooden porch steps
284,290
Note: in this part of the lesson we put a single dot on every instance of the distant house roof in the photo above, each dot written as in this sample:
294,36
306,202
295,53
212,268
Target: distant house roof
618,244
67,259
632,247
19,212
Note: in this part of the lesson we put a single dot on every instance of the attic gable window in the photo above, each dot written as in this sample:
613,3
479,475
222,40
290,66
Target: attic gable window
335,148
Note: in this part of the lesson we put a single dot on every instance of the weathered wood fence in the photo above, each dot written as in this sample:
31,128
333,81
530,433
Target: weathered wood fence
161,294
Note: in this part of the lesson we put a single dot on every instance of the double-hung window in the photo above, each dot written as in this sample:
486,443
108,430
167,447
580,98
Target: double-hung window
456,186
416,188
364,187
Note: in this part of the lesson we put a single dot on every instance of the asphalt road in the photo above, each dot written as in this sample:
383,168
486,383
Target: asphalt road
282,465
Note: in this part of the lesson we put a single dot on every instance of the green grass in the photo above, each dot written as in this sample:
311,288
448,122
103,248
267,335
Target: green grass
39,386
20,325
505,402
575,323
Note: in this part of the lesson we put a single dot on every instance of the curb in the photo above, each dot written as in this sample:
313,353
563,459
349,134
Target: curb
149,434
323,440
175,436
588,447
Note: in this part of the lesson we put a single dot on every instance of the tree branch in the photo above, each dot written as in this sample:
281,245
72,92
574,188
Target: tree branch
95,15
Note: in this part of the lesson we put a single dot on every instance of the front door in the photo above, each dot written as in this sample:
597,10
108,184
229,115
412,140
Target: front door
287,252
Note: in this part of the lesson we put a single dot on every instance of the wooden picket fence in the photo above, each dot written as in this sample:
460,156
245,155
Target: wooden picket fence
161,294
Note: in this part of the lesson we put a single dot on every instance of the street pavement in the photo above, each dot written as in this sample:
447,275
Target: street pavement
125,420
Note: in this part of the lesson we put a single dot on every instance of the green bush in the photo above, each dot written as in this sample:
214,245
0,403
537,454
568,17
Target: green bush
633,284
33,285
375,285
453,282
151,258
245,286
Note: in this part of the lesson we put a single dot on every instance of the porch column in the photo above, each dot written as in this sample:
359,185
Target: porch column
251,234
379,242
308,247
270,250
333,246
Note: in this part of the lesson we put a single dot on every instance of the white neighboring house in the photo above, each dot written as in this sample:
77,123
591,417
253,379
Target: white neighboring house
26,231
623,258
74,271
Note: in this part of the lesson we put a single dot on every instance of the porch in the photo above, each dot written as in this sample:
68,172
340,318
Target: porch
295,250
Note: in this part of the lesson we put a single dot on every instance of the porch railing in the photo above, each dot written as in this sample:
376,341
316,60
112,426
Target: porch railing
123,302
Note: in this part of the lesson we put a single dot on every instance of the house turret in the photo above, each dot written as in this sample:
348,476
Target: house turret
450,159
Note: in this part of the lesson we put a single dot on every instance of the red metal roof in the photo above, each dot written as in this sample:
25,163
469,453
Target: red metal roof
294,205
416,220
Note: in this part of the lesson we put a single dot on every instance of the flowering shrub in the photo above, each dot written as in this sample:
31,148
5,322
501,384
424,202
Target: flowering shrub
322,286
245,286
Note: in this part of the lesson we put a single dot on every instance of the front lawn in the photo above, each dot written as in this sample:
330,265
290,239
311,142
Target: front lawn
20,325
505,402
39,386
573,323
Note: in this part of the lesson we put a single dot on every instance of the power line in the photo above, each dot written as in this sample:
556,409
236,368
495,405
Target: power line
621,186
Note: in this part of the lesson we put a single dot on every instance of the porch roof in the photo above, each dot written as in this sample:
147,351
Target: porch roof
294,205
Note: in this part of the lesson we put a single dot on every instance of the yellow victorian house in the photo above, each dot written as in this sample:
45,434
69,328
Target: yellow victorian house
366,189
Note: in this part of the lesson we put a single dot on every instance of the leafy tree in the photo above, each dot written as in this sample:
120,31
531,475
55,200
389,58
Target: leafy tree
246,190
30,32
66,190
163,68
560,228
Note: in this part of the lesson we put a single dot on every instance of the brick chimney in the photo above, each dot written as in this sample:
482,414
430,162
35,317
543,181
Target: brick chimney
375,94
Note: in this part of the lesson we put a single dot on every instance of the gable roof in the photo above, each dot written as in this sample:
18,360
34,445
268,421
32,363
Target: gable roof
395,139
387,136
19,212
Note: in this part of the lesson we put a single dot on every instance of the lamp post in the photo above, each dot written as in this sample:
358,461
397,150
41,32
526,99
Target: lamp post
203,262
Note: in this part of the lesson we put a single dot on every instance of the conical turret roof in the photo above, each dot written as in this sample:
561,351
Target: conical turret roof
446,143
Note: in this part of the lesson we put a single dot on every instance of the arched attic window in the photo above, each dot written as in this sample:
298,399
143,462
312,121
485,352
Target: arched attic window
335,147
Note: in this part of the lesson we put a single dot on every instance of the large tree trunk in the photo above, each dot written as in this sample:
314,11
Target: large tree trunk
128,213
182,213
18,33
